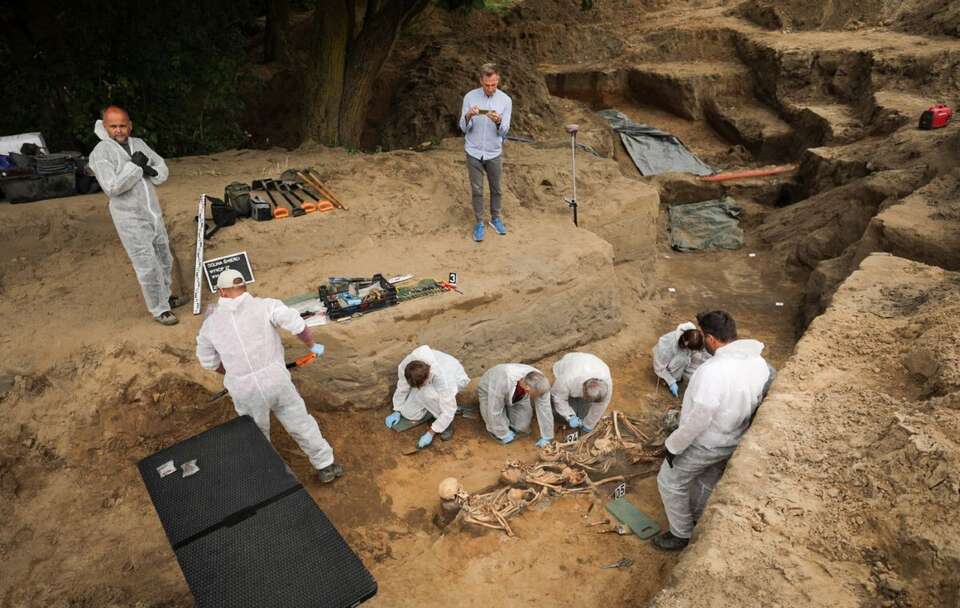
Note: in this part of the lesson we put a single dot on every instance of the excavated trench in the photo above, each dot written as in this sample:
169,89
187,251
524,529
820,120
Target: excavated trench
869,390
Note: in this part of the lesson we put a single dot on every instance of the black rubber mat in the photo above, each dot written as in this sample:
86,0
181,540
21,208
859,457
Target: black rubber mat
288,555
238,470
246,533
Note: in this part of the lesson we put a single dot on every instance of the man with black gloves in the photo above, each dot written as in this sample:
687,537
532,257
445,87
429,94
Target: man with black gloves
718,406
128,171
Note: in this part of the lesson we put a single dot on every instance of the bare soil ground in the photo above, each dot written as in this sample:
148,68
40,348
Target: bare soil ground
89,384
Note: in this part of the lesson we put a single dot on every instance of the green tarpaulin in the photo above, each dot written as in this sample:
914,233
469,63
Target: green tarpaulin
704,226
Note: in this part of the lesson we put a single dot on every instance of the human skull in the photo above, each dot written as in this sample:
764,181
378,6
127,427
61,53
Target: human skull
511,475
449,488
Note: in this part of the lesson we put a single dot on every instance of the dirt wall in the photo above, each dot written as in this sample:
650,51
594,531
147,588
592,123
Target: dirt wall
844,491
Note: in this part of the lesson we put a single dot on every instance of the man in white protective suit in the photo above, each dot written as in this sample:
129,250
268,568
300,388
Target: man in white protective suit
581,391
509,393
128,171
718,407
428,381
240,340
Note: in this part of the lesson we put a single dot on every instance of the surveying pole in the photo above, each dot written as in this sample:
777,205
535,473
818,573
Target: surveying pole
572,130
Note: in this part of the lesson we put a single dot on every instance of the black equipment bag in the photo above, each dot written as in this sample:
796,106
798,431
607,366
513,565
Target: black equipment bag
223,214
244,530
27,188
237,195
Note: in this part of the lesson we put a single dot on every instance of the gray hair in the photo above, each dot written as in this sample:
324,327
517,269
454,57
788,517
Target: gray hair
595,390
536,383
488,69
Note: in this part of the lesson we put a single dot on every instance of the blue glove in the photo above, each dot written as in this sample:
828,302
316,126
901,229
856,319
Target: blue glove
392,420
574,421
510,436
543,442
425,440
673,389
317,349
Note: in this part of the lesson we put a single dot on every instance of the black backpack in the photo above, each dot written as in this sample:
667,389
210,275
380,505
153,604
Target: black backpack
237,196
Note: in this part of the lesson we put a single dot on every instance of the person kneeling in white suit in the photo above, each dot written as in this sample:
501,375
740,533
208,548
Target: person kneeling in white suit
428,381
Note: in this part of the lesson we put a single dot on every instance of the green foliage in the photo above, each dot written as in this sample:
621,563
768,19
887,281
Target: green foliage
175,66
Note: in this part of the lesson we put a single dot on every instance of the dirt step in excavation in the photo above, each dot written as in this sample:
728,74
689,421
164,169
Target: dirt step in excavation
681,88
754,126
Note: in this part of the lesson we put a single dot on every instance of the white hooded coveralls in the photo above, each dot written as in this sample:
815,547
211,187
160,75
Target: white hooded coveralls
497,408
438,395
673,363
723,394
570,372
136,213
241,334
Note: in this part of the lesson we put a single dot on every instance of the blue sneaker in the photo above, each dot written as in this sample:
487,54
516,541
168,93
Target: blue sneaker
478,232
497,224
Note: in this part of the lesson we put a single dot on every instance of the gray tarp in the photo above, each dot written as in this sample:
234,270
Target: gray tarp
654,151
706,225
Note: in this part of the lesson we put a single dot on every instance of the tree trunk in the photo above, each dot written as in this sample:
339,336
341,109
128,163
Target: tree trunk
275,38
355,38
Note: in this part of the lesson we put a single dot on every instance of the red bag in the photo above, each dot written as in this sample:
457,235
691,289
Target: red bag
936,117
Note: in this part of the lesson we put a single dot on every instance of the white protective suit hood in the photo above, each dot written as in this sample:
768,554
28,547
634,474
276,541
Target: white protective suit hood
101,131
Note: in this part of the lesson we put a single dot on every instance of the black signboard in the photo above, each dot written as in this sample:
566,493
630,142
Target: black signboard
237,261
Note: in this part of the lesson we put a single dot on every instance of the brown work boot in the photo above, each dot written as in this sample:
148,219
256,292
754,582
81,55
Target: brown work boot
329,473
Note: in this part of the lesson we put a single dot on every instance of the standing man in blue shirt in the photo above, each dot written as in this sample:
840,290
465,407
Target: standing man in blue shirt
485,120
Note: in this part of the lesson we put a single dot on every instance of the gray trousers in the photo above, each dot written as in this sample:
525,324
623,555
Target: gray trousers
686,486
493,167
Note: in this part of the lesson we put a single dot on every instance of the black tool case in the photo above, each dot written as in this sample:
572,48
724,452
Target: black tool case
335,310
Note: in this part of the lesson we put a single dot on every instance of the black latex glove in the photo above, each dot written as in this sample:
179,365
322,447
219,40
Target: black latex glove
140,159
149,171
669,457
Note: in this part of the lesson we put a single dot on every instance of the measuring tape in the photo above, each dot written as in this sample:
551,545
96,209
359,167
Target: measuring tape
198,262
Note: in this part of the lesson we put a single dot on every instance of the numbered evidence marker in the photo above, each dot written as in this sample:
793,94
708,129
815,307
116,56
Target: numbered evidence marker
237,261
573,436
452,278
621,490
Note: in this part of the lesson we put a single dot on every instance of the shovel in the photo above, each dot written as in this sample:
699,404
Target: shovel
309,176
292,365
264,185
297,210
292,187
